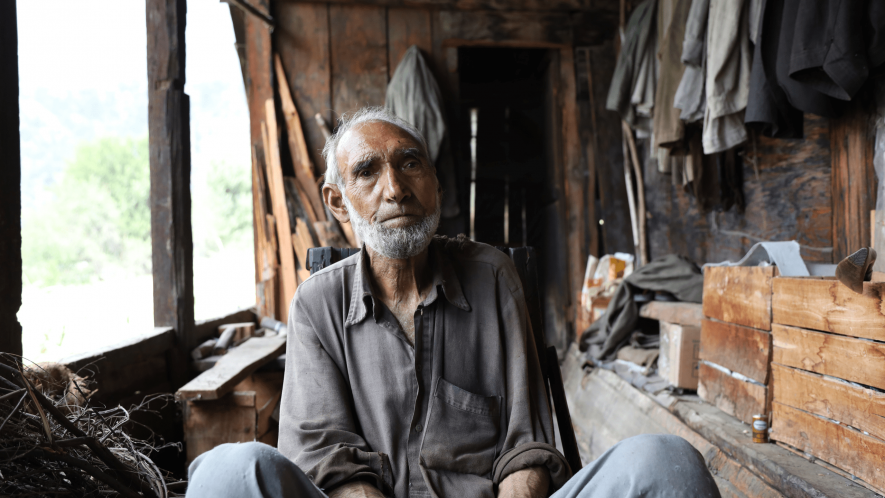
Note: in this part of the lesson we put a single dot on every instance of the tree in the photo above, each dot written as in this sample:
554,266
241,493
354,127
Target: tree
98,221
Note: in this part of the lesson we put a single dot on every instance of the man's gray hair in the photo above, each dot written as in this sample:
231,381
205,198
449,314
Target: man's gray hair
347,122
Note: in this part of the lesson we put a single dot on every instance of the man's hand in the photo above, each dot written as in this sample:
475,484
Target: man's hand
532,482
356,489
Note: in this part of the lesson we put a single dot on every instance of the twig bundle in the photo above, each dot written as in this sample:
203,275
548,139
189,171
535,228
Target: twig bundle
52,443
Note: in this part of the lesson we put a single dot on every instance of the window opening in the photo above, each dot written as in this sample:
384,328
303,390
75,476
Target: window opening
86,173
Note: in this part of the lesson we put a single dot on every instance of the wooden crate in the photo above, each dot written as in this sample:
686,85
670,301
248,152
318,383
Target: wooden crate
740,349
848,358
739,398
739,294
827,397
239,416
824,303
860,455
735,339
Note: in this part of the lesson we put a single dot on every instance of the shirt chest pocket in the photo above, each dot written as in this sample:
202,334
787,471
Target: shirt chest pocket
462,431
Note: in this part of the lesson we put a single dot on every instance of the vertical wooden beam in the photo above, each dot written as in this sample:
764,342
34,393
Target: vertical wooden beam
281,212
10,185
259,87
591,235
616,235
169,129
853,180
575,179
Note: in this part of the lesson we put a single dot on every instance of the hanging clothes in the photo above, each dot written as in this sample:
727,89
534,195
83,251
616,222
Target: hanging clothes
632,89
731,180
755,19
690,96
414,95
669,130
729,63
830,51
779,100
768,107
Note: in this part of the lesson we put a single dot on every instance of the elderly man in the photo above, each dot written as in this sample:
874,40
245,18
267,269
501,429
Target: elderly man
410,371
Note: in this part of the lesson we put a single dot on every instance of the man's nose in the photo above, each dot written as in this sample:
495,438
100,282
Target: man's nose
395,189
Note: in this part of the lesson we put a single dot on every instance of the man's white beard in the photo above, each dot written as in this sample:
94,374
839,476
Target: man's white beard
395,243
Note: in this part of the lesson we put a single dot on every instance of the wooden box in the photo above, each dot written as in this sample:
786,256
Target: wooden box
239,416
823,303
740,349
739,294
734,370
828,373
736,340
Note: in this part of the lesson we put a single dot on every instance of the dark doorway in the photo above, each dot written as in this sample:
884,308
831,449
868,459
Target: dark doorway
502,101
507,146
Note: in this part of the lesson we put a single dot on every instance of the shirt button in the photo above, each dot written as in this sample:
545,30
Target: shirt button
418,428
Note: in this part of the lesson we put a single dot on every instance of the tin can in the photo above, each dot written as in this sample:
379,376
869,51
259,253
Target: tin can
760,428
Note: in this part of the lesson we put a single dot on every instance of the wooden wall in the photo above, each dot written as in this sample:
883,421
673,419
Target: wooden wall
340,57
787,188
818,191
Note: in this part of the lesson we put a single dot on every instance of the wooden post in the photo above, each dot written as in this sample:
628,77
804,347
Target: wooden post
10,185
169,127
258,69
853,180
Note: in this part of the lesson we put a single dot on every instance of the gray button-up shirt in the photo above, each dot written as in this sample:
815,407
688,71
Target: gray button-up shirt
451,416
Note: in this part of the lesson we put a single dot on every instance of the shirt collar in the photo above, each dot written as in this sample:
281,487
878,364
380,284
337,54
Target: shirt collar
444,276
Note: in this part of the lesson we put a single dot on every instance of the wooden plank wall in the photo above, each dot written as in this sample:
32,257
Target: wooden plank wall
787,187
304,49
339,57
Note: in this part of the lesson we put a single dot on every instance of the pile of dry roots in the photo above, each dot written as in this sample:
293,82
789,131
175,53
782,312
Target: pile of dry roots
52,443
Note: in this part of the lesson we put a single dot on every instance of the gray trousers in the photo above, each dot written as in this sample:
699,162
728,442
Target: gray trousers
648,466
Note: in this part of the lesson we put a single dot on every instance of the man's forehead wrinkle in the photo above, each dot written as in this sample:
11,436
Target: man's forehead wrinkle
353,150
375,141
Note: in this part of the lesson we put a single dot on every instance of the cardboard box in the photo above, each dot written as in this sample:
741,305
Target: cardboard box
680,352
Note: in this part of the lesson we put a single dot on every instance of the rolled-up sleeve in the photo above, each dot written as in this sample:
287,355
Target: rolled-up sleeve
529,439
318,430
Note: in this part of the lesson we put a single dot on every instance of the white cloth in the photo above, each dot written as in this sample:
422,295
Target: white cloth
786,255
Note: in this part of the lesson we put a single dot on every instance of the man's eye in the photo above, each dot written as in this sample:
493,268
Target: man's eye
411,164
365,173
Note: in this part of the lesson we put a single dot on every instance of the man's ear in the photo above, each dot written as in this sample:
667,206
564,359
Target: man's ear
333,198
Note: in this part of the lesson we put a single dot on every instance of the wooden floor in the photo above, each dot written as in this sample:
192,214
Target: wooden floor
606,409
